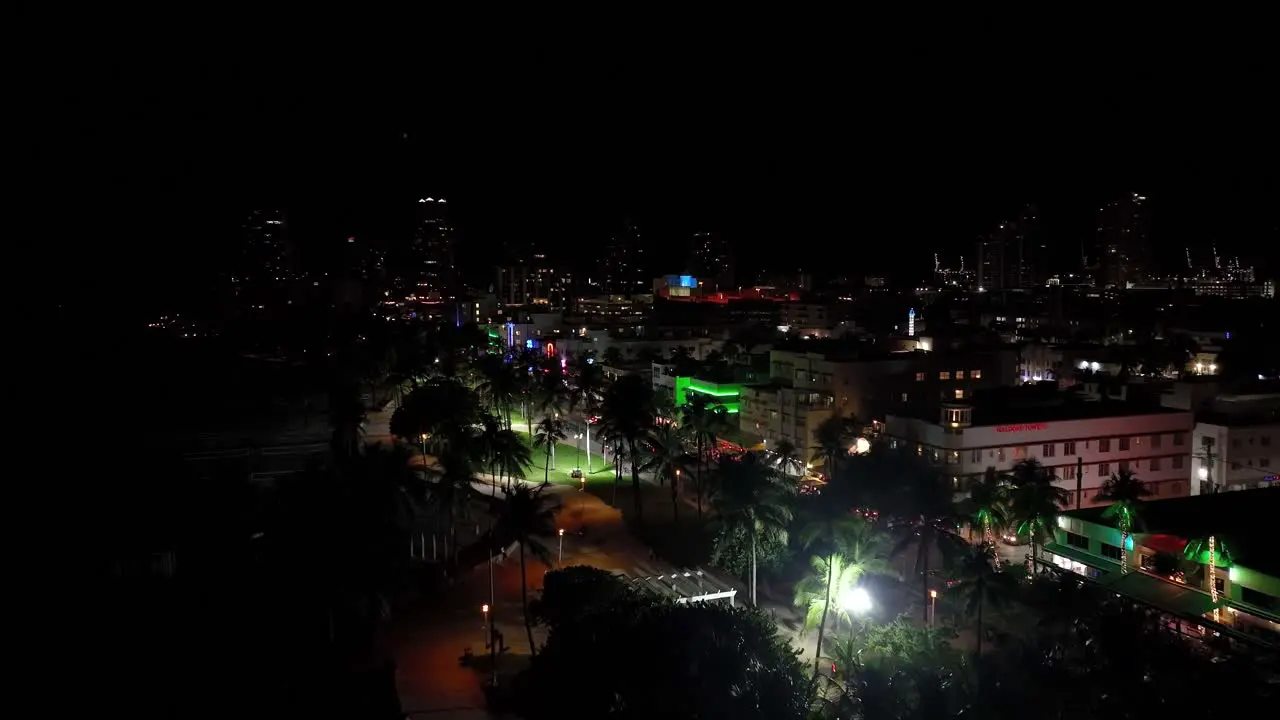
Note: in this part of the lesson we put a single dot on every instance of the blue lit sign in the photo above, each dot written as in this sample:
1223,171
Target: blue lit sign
528,344
688,281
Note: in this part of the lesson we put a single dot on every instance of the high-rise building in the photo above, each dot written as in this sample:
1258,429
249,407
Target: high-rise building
434,251
712,259
1013,257
626,271
262,272
1124,251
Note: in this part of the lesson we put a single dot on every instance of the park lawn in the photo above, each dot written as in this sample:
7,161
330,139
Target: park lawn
567,454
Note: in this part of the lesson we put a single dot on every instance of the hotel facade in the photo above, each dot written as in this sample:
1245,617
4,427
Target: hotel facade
1081,445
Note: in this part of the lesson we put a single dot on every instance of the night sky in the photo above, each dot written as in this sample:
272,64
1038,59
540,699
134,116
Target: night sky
861,156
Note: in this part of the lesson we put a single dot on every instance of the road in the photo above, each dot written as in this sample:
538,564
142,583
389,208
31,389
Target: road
427,640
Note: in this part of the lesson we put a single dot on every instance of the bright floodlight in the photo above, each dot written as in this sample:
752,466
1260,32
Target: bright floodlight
856,601
1204,473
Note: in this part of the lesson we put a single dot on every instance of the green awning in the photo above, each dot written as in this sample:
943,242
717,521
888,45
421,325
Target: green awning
1086,558
1165,595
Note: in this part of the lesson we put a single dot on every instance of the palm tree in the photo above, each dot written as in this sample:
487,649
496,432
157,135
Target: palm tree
586,394
511,455
752,502
548,434
988,504
1035,503
450,490
668,460
981,584
501,384
786,457
1125,492
832,533
703,420
628,408
832,435
853,548
928,519
528,518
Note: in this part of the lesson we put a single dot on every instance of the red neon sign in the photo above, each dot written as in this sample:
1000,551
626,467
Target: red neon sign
1023,427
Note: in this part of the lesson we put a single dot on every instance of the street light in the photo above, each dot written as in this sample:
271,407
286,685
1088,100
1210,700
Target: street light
423,437
856,601
484,613
561,560
933,607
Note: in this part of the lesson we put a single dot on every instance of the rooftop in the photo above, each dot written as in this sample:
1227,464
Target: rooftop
1240,519
1002,413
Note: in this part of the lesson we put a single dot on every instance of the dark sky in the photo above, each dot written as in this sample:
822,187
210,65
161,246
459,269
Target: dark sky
858,152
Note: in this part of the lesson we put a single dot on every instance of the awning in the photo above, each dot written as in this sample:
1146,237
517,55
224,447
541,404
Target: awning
1169,596
1171,544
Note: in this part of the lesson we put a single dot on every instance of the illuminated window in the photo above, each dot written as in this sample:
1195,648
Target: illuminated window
959,394
975,374
1020,452
944,375
959,374
920,377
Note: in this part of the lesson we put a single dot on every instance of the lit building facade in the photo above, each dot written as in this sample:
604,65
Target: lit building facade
782,414
1200,560
1081,444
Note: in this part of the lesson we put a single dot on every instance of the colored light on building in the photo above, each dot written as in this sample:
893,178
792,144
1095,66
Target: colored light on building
687,281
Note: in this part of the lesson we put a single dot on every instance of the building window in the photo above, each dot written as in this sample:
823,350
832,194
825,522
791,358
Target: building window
1179,438
1069,472
1155,464
904,397
1155,442
1048,450
1111,551
1265,440
1000,455
1177,462
1124,444
1077,541
1104,445
1259,599
1124,466
959,394
919,377
977,455
1069,448
975,374
944,375
1264,462
1020,452
1104,469
959,374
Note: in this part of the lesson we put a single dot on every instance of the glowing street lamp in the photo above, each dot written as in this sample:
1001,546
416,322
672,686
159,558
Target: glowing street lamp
933,607
856,601
423,437
561,560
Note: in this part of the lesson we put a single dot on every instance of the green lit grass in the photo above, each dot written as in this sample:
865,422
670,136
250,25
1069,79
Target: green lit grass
567,455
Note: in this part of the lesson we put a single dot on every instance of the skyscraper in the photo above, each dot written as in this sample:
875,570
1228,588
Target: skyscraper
261,273
1013,257
625,269
1124,251
434,251
712,259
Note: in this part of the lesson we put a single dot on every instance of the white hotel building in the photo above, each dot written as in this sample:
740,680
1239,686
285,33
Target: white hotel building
1081,443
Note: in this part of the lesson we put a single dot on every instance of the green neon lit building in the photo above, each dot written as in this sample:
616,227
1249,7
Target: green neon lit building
728,395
